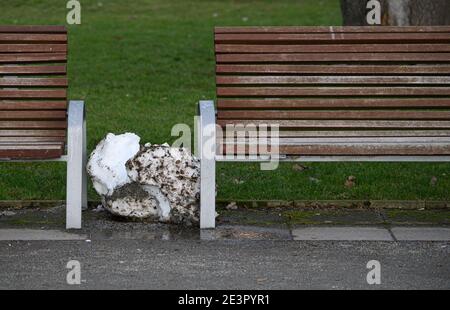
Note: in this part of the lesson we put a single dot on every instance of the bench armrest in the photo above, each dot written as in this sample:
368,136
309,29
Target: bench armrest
206,146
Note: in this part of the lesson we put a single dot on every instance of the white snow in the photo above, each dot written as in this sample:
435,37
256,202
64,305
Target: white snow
106,165
154,181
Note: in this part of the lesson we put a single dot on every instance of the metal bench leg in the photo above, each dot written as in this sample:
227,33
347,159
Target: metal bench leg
76,170
206,147
84,203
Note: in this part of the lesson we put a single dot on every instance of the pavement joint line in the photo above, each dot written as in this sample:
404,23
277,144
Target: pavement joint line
391,233
387,224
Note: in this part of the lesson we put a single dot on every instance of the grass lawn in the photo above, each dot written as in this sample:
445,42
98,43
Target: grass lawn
142,65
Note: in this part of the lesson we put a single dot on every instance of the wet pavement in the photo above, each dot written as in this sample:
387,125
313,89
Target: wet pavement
250,249
241,224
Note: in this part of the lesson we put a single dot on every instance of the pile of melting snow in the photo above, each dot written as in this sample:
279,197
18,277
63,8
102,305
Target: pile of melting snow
154,182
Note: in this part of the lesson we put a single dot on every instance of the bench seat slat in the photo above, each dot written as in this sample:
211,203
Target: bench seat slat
32,48
331,115
317,134
32,94
31,151
33,29
328,29
33,37
34,115
32,133
393,69
33,70
350,124
330,91
32,105
332,103
335,57
29,124
33,82
362,149
341,140
329,48
33,57
336,38
345,80
28,140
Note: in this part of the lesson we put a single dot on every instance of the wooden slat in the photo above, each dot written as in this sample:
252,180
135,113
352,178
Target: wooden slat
333,57
32,105
331,29
341,133
31,151
335,38
330,48
314,103
347,124
32,48
36,38
21,94
33,124
334,69
34,82
28,140
330,91
33,57
33,70
382,115
375,149
341,140
422,80
33,29
32,133
34,115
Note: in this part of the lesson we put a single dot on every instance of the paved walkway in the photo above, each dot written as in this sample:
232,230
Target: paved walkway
224,264
347,233
271,253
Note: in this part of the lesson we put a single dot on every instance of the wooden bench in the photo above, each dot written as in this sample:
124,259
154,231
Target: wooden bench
36,121
336,93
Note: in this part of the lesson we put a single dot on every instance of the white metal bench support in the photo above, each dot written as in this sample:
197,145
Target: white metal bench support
76,165
206,144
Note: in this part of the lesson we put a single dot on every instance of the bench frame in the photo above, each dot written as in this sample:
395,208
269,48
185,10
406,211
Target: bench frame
76,157
207,119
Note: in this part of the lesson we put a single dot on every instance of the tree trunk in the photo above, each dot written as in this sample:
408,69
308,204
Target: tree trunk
399,12
354,12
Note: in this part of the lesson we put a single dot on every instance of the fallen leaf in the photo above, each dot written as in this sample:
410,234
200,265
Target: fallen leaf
238,181
433,181
314,180
350,182
299,167
232,206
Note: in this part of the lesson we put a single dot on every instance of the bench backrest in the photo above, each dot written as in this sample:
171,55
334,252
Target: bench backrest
332,83
33,89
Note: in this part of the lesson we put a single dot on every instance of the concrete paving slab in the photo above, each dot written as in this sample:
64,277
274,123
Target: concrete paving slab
229,232
342,233
35,235
421,233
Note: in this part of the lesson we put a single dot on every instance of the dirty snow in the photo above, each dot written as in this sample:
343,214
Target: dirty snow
155,182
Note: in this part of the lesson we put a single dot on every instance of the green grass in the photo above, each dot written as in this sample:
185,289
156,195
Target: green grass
142,66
